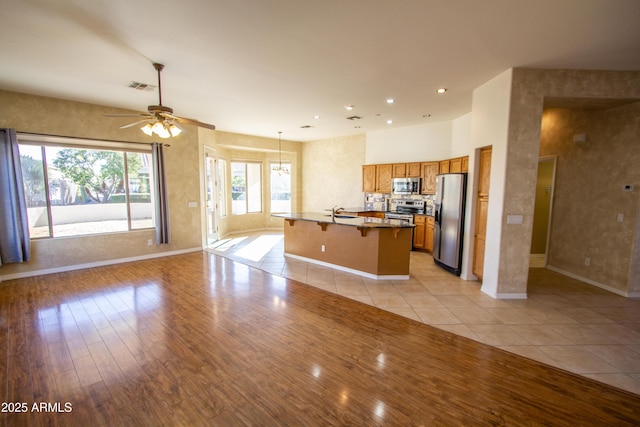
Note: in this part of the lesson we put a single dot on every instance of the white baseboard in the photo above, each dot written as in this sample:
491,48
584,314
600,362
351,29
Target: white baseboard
504,296
594,283
66,268
348,270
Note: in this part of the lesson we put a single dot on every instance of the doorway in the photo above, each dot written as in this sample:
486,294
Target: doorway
542,212
211,183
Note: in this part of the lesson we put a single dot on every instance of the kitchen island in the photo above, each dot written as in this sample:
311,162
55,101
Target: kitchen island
372,247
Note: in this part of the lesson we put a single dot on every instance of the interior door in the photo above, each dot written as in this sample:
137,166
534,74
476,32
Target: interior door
211,191
482,209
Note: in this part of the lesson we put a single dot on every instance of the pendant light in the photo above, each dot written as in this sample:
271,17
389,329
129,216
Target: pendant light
279,169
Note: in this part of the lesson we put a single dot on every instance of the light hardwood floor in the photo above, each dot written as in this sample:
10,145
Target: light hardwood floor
199,339
563,322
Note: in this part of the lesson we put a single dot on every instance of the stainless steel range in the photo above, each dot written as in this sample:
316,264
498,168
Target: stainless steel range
405,209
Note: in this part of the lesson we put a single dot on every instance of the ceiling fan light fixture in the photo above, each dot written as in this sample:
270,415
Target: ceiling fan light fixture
148,129
175,130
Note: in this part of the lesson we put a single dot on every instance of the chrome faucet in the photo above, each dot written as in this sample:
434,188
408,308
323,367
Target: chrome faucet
335,210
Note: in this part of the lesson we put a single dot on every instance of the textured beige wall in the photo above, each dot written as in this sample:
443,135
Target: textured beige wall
589,191
529,88
49,116
332,173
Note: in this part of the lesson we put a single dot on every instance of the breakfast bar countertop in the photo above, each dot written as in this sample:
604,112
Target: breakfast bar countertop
355,221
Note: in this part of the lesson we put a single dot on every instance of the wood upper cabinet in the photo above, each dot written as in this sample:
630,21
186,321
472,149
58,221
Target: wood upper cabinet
428,174
465,164
406,170
369,178
384,176
377,178
399,170
444,166
455,165
413,170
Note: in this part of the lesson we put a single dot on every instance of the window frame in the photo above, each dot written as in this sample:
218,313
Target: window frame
271,172
43,141
247,193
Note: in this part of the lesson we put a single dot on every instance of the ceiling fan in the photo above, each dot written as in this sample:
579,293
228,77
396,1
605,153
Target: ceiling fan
159,119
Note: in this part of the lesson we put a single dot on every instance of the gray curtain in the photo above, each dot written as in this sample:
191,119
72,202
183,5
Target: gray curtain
163,231
15,245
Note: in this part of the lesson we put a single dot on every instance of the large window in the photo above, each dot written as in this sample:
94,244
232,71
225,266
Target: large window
73,191
246,188
281,188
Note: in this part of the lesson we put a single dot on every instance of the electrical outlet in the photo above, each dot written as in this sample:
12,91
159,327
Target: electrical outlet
620,217
322,248
149,242
587,262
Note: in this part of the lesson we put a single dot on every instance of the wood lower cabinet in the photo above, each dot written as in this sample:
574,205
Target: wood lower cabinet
423,232
428,240
419,231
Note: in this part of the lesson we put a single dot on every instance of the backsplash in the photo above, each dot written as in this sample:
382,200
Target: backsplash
387,202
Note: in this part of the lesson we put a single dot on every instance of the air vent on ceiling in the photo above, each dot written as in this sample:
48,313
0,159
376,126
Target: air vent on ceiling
354,118
142,86
306,127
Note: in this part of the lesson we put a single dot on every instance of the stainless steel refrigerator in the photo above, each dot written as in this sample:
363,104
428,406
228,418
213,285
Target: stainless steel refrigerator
449,220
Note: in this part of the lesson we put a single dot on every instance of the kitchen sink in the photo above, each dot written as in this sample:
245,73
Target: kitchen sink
342,216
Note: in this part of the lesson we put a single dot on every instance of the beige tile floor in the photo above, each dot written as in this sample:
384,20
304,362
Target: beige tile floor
563,322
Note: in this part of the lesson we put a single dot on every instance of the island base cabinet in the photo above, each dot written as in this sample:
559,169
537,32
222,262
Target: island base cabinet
380,253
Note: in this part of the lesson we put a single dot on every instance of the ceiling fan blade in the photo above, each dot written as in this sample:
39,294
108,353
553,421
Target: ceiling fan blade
139,122
194,122
128,115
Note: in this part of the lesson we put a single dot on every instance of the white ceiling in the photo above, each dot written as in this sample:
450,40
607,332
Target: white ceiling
262,66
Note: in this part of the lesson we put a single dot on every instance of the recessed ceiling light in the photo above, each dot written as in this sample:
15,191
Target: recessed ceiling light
441,90
348,107
389,121
390,100
316,117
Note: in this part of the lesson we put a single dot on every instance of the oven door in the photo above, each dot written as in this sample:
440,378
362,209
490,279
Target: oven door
402,217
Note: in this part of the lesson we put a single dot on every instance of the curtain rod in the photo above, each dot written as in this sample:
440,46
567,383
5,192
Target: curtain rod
86,139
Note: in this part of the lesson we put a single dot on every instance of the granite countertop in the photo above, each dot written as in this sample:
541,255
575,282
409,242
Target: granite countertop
360,221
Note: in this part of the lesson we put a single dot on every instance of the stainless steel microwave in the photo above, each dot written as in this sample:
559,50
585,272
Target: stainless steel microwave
406,186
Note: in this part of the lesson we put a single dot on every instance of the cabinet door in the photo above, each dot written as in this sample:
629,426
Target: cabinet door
384,175
465,164
419,231
444,166
429,172
413,170
399,170
455,165
485,172
428,238
482,209
369,178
